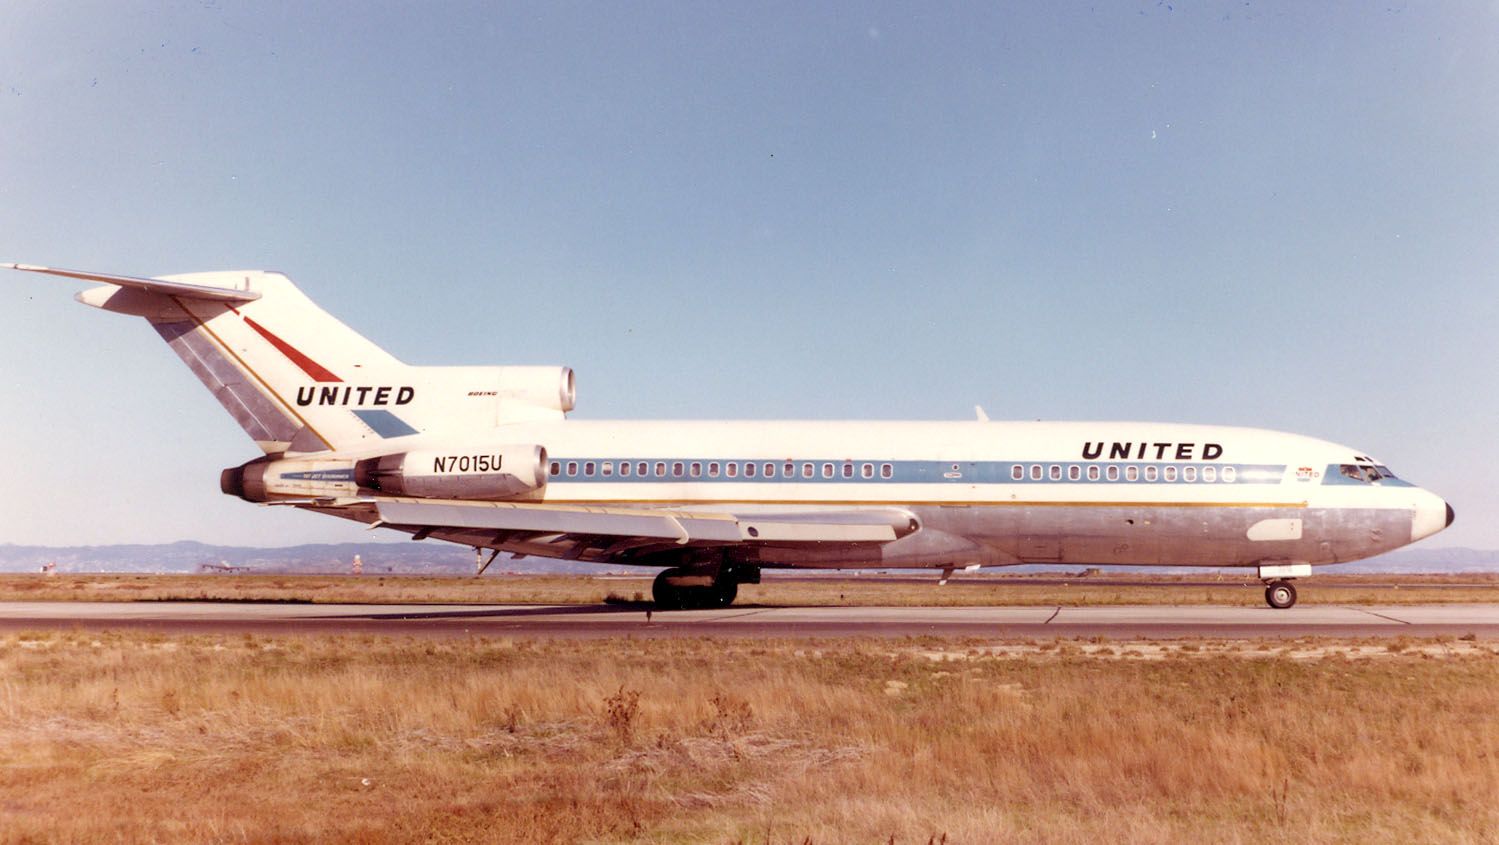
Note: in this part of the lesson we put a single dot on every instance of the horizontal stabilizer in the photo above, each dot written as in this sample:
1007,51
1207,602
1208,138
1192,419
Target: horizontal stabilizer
178,289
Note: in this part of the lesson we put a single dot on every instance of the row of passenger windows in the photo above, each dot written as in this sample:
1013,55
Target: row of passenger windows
715,469
850,470
1113,472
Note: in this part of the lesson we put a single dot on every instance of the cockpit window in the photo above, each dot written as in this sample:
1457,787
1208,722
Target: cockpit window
1365,472
1354,471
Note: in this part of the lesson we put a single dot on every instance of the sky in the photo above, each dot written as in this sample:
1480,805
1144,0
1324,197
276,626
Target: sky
1283,216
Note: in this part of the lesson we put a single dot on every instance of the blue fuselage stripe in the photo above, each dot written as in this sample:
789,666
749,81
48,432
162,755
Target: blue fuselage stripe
699,470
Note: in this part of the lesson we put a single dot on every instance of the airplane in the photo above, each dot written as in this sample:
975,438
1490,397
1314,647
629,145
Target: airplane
486,457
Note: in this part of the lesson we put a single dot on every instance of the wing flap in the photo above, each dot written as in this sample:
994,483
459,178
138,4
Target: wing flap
675,526
504,516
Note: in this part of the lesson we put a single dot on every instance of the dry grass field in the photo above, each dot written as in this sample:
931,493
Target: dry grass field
777,591
138,737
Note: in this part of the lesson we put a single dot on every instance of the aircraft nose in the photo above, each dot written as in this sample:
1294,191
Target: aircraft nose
1431,514
1450,515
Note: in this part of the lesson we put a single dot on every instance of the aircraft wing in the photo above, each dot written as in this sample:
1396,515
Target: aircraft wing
622,534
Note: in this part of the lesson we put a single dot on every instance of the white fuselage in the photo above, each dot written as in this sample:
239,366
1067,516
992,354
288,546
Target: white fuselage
995,493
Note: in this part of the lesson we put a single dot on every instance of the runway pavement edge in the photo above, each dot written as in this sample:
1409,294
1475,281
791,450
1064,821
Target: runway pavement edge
1113,622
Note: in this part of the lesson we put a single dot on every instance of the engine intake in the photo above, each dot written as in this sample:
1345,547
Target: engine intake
553,389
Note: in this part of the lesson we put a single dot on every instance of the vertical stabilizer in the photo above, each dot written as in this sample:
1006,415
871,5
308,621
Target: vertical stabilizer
297,380
259,345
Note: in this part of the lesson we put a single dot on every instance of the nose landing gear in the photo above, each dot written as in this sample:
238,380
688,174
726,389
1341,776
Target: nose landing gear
1280,594
1277,576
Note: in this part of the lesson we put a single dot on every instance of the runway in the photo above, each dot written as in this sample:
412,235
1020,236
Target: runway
1114,622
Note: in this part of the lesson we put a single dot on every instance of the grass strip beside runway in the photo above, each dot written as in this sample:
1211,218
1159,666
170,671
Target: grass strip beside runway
141,737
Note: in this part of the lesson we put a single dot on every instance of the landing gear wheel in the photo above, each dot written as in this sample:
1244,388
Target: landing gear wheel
680,588
666,595
1280,594
726,592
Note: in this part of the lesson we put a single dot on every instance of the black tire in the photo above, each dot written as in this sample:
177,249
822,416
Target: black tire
728,590
665,595
1280,595
721,593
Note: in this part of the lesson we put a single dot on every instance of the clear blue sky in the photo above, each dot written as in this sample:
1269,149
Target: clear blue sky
1283,216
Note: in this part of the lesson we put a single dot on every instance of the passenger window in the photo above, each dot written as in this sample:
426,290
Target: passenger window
1113,473
1017,472
1093,472
867,471
676,469
572,467
1230,475
1209,473
1170,473
848,470
1151,473
640,469
1131,473
886,471
660,468
749,470
697,469
806,470
789,470
556,468
713,469
588,467
731,469
1056,472
624,467
1189,473
1074,472
1035,472
608,467
827,470
770,470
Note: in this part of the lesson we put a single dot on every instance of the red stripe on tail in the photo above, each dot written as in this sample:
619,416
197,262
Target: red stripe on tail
309,366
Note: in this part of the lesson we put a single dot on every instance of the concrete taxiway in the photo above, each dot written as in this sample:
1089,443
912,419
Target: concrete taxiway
1121,622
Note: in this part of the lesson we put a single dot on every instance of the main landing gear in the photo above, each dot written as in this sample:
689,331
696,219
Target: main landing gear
1280,594
701,586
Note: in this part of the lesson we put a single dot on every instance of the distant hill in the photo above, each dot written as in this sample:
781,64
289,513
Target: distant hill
447,559
1428,560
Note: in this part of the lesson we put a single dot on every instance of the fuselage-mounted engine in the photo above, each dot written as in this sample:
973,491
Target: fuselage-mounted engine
471,472
494,472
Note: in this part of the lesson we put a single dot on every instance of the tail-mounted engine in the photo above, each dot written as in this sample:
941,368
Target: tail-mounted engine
266,479
486,473
481,472
524,392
